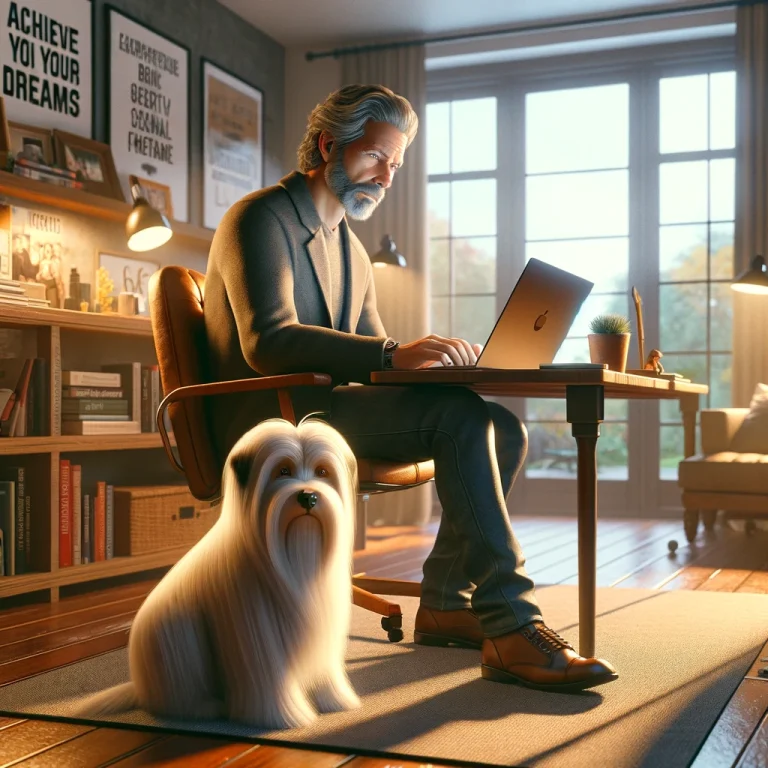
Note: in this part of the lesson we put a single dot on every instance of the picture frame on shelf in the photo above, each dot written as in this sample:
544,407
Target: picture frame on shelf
29,141
92,162
157,195
128,275
233,140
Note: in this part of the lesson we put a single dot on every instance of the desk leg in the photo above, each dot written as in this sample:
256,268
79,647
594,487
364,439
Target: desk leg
584,411
689,406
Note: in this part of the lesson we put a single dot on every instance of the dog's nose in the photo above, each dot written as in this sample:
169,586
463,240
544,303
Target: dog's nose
307,500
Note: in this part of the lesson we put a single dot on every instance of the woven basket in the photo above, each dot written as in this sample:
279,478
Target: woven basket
153,518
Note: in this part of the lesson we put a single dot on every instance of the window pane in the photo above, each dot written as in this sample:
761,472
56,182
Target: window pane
671,451
473,135
683,318
683,113
474,265
473,318
598,304
438,208
722,110
553,409
439,271
721,371
577,205
721,317
573,351
438,138
693,367
683,252
612,451
473,208
604,262
683,192
721,251
551,451
577,129
722,192
440,322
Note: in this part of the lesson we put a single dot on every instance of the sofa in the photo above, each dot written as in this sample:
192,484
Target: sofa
725,476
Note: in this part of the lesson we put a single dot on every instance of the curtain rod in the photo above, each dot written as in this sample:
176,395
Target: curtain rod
586,21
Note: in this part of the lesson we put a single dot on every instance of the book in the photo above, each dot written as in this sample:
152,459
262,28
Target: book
54,382
156,394
73,417
41,407
100,393
99,427
17,475
130,376
65,514
100,521
94,405
90,379
7,525
87,524
110,521
77,520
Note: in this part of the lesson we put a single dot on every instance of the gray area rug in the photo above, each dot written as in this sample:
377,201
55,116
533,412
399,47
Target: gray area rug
680,655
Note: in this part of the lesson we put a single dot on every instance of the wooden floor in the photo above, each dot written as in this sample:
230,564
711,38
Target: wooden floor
37,638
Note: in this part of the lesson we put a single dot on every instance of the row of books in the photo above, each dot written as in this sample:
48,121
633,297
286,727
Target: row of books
15,523
86,519
24,401
32,169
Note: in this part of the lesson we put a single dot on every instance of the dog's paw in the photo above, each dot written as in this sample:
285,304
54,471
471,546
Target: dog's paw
335,696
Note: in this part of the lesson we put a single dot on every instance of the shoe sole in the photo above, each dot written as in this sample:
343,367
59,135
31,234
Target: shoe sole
500,676
424,638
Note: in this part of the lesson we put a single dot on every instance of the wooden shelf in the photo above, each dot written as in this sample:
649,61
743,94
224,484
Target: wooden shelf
11,446
77,201
109,322
118,566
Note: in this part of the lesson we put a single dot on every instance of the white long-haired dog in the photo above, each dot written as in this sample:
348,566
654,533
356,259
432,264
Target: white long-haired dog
252,623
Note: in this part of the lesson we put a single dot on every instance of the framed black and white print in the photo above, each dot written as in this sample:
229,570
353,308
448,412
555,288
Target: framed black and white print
233,141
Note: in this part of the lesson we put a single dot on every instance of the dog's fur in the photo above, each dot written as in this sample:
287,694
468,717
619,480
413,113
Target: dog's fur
251,624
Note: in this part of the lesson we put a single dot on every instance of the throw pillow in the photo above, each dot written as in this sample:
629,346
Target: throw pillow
752,435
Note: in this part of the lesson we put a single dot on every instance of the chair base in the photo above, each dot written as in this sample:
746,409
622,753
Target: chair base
365,594
707,503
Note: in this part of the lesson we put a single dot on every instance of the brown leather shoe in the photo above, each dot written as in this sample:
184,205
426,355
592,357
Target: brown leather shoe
537,657
461,628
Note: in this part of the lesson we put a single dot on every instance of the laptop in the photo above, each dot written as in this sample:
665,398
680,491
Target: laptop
536,319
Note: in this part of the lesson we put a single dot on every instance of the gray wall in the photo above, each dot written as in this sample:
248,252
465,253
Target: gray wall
208,30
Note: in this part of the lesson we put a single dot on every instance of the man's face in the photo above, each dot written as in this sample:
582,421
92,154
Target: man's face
361,176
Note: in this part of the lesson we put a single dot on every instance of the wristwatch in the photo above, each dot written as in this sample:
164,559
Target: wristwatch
389,350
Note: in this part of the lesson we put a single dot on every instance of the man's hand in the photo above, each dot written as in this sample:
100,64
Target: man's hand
435,351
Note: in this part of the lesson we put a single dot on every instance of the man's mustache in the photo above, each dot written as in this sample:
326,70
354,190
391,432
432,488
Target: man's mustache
372,190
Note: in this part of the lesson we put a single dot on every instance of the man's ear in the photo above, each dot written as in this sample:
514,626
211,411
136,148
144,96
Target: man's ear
325,145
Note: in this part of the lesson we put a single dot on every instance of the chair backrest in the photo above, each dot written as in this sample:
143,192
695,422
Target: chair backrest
176,296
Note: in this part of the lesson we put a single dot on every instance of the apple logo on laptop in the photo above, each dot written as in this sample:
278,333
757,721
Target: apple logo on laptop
540,321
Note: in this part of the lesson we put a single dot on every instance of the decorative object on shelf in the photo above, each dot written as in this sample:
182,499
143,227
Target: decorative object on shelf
33,143
152,143
146,228
609,341
46,50
388,254
74,286
156,194
84,306
104,288
653,363
127,303
129,276
91,161
754,279
6,265
640,330
233,141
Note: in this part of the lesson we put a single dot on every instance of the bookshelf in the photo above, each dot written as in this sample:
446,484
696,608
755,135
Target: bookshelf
75,337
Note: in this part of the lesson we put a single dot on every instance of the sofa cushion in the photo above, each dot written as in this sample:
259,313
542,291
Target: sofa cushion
726,472
752,435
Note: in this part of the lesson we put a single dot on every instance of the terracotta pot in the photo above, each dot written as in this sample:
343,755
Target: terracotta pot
610,348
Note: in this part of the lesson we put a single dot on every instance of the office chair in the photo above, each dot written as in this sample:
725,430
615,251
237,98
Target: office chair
176,299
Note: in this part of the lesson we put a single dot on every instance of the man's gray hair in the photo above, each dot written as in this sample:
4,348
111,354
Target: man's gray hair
344,115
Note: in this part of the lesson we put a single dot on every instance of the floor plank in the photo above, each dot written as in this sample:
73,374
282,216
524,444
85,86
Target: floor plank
186,752
34,736
756,753
286,757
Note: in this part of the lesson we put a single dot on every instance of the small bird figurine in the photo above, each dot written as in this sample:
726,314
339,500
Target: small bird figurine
653,363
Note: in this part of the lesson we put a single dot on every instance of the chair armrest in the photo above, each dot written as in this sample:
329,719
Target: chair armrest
718,426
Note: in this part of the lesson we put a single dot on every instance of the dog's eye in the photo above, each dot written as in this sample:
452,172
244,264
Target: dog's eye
285,471
321,472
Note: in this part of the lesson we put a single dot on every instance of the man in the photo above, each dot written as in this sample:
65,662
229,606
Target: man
289,288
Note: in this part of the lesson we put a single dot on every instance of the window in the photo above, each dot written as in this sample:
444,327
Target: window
461,202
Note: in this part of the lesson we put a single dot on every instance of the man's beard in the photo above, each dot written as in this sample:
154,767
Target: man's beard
349,194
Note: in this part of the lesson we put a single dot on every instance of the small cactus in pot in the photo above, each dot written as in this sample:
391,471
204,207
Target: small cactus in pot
609,341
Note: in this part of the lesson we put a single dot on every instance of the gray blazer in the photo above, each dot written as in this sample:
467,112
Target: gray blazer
267,291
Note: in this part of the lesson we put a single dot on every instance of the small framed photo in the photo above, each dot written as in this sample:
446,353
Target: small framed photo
157,195
128,275
32,143
91,161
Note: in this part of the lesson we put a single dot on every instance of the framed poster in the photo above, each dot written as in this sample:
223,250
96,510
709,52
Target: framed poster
128,275
47,57
233,141
149,108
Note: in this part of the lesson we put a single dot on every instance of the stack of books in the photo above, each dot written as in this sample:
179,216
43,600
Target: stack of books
21,294
100,403
32,169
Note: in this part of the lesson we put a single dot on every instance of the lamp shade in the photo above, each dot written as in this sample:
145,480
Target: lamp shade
388,254
754,279
146,227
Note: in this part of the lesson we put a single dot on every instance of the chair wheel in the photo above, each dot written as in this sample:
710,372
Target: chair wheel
395,635
392,623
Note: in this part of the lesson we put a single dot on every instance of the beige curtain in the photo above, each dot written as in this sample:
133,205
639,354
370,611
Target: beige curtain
402,294
750,312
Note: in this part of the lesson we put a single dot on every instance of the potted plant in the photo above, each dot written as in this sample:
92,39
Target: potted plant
609,341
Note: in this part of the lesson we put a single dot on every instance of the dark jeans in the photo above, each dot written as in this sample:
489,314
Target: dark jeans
478,448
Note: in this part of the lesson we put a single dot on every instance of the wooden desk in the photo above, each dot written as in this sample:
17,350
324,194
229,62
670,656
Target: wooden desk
584,392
